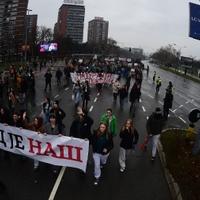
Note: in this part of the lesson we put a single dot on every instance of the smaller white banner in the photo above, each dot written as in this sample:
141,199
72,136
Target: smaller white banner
94,78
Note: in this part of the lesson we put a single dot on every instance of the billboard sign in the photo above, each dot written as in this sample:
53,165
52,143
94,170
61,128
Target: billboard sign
48,47
194,21
186,60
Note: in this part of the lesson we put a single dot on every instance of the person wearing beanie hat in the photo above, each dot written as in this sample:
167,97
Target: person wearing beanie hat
154,126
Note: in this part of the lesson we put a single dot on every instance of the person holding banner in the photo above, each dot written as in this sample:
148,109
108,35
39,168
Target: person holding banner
102,143
52,128
36,126
4,116
16,120
81,127
59,114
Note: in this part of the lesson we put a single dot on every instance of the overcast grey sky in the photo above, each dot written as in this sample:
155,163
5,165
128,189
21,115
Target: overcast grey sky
149,24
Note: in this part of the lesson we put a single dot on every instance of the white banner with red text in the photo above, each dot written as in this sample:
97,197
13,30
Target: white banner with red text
94,78
55,150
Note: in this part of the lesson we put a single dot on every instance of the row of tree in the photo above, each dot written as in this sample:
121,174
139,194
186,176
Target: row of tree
68,46
170,57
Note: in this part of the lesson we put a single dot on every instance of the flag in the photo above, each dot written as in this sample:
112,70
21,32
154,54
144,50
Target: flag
194,21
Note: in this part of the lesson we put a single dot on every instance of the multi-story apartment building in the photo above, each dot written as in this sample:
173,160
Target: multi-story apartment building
12,28
31,24
98,30
70,21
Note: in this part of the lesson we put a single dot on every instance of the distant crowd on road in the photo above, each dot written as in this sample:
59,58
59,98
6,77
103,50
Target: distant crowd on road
21,83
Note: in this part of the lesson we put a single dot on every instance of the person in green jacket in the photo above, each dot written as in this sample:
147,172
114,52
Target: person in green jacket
109,119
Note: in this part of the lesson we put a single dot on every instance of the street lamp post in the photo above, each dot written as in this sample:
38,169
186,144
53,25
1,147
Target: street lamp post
26,35
179,52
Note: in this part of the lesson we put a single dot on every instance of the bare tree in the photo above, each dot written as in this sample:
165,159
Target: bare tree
167,55
44,34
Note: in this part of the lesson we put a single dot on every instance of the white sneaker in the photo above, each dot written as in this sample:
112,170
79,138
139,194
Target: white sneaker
96,182
122,169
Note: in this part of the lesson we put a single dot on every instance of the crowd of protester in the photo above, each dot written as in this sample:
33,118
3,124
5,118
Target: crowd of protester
16,85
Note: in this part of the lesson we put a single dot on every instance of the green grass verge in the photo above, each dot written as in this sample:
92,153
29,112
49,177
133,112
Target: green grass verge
195,79
184,167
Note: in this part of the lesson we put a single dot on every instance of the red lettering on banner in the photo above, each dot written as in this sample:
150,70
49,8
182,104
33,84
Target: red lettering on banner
78,154
70,156
35,145
66,152
49,151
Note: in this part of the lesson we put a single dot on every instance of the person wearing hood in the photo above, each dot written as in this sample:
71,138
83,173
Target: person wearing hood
154,127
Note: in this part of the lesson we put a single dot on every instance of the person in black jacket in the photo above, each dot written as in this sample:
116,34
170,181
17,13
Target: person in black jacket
122,95
102,144
60,115
48,77
81,127
85,94
58,76
16,120
46,107
135,94
4,116
154,127
129,138
168,100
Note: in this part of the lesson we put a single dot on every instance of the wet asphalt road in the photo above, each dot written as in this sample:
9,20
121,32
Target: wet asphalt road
142,180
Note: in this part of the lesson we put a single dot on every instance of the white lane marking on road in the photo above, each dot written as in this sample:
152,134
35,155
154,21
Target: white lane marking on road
66,89
160,102
150,96
182,120
180,106
174,110
56,96
57,183
95,100
143,108
91,108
